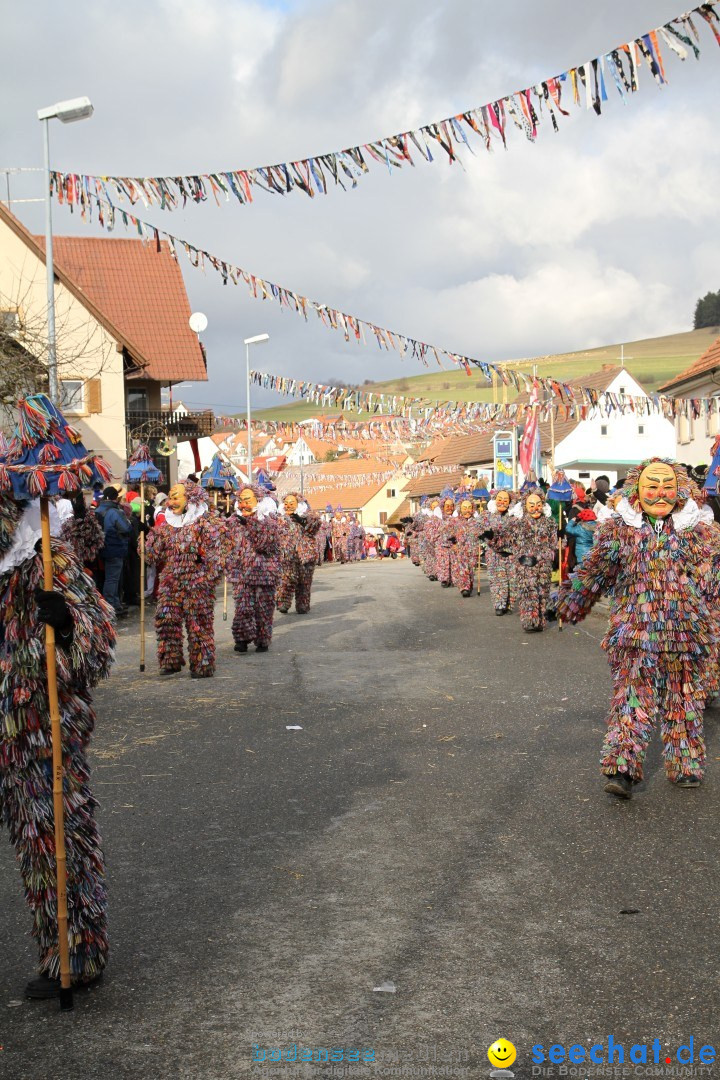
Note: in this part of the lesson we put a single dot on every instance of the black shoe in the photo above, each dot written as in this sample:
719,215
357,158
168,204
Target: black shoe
302,611
619,784
445,584
201,674
284,610
241,646
169,670
500,610
533,629
467,592
432,577
261,648
43,988
686,781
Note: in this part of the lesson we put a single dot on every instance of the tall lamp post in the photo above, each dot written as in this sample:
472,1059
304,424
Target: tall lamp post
257,340
67,112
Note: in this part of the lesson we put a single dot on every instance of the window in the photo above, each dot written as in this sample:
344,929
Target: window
383,517
584,476
622,390
603,429
641,429
71,397
711,422
390,493
137,400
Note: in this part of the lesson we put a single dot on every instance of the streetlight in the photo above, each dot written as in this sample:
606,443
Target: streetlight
67,112
257,340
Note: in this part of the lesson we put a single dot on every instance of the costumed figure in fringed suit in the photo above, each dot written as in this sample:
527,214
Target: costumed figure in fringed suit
497,537
85,638
356,536
445,541
187,552
465,553
340,531
84,533
297,528
430,534
659,561
253,567
321,542
534,541
413,534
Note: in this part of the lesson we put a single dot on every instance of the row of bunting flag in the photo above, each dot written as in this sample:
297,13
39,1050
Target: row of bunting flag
564,401
526,110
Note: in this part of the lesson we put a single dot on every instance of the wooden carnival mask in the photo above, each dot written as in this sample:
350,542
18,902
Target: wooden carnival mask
177,499
534,506
247,502
448,507
658,489
290,504
502,501
467,509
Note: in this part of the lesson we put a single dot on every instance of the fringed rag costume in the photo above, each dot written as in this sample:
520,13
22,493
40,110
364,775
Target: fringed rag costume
465,553
659,561
84,656
497,535
298,527
187,552
534,540
253,567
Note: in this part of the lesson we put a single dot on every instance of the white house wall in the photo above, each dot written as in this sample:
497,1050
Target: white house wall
622,446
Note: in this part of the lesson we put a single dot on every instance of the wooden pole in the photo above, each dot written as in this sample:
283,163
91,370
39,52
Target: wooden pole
225,588
66,994
142,577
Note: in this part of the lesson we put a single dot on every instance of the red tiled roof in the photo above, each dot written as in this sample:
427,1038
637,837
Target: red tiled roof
709,360
142,292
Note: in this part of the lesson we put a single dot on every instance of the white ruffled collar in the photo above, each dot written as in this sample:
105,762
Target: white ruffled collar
193,512
687,518
27,533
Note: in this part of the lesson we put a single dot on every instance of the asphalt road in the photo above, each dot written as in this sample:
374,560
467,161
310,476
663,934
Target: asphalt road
437,825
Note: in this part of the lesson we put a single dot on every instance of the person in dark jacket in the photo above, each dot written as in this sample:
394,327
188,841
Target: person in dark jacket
116,531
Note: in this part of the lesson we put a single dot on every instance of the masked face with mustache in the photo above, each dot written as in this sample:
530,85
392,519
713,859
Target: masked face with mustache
658,489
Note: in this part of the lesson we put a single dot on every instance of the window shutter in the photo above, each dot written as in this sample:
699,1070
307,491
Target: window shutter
94,395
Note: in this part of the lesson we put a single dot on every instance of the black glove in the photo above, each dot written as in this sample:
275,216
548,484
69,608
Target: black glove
53,610
551,615
452,540
487,535
527,560
143,527
300,520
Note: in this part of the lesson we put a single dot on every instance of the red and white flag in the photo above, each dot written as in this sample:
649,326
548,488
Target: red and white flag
529,436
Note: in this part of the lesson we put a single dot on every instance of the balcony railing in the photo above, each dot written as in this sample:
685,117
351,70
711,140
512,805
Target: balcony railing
159,424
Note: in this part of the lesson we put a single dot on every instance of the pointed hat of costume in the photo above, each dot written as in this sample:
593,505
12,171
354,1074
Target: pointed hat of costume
560,490
46,456
218,476
141,468
713,473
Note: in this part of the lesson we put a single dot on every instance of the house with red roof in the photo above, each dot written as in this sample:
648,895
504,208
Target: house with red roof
697,427
122,335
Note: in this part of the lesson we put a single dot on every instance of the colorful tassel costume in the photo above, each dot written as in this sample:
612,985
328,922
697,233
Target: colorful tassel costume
533,538
499,560
663,582
465,553
413,537
187,551
85,536
253,567
26,780
297,560
340,536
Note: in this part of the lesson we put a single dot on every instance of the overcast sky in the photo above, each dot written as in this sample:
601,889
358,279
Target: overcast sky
607,231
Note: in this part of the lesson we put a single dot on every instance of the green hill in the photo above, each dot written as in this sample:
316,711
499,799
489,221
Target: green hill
651,361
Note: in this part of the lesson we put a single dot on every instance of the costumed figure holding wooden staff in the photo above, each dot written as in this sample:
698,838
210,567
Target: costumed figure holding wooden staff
658,559
142,470
187,552
559,496
298,526
56,642
219,477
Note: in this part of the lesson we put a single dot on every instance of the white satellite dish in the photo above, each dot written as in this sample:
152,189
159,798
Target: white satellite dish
198,322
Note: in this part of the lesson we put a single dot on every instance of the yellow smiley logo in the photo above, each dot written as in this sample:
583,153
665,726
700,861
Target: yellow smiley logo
502,1054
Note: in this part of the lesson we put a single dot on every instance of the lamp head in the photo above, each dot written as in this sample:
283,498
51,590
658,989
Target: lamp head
68,111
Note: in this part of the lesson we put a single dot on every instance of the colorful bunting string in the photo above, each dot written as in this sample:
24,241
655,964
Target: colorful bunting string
585,84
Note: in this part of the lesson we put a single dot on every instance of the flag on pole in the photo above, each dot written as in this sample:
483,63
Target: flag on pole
529,437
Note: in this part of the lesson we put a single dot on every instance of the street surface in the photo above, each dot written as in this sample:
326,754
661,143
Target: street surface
438,826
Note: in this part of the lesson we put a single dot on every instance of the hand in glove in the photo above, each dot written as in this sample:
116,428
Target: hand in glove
452,539
53,610
527,560
143,527
487,535
298,519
